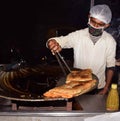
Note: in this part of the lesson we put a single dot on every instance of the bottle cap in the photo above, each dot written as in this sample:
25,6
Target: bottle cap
114,86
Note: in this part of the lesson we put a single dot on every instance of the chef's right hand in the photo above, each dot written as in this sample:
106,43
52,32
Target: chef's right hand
54,46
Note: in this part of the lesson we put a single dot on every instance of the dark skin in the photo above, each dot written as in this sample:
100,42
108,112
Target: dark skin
109,75
97,23
54,46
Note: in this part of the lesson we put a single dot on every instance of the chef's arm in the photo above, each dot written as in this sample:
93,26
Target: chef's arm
109,76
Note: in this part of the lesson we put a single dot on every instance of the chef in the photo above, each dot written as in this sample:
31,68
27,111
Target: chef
93,47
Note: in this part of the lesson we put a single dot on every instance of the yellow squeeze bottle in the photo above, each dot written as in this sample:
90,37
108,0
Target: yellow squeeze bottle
112,102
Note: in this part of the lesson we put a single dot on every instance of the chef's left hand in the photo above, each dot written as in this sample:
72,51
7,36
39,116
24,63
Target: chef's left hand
103,92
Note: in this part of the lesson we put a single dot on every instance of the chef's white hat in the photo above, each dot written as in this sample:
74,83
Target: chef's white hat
101,12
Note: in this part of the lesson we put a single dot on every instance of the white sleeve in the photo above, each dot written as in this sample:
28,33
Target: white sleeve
111,53
67,41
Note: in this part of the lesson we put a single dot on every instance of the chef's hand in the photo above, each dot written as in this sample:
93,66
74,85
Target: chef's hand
104,91
54,46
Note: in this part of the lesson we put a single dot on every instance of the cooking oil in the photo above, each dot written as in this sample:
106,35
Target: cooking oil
112,102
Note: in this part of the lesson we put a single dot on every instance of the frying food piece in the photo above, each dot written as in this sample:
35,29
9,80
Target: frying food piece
83,75
70,89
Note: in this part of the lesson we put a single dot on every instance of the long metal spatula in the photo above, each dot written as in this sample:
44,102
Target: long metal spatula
61,61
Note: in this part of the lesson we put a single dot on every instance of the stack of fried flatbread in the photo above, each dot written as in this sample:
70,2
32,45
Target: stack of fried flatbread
82,76
77,83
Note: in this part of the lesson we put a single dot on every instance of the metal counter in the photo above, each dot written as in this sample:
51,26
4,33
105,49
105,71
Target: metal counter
92,105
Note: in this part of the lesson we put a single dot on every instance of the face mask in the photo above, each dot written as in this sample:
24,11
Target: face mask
95,31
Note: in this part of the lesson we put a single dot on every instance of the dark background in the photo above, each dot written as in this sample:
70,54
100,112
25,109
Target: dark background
26,26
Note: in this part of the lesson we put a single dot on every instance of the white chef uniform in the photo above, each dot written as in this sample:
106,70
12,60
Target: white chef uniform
96,56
